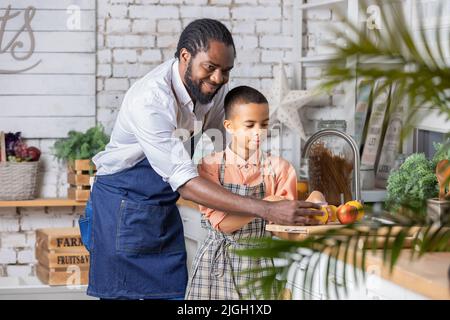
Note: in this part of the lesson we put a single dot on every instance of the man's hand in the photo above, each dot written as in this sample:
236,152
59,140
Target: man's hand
291,212
211,195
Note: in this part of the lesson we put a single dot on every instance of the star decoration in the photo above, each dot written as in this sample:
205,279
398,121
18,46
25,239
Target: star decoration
286,103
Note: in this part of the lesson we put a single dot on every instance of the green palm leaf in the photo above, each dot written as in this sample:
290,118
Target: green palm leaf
336,245
420,74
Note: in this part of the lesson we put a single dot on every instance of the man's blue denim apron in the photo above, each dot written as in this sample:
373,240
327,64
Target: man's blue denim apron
134,233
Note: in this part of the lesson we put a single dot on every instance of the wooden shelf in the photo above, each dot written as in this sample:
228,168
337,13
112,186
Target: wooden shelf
318,58
63,202
319,4
49,202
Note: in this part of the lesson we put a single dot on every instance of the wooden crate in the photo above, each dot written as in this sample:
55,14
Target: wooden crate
72,275
62,257
59,239
78,177
55,259
78,194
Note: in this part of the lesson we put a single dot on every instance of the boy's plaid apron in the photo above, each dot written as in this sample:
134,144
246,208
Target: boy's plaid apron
216,271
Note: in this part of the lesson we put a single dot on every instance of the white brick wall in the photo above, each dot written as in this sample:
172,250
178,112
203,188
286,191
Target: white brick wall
18,235
125,54
11,240
8,256
20,270
26,256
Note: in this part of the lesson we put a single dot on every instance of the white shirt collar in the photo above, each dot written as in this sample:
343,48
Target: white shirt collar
233,158
180,90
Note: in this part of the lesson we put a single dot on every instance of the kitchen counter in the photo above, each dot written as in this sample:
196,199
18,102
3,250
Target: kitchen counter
31,288
427,276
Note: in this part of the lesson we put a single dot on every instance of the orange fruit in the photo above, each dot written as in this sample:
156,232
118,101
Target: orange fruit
302,190
302,187
322,218
332,213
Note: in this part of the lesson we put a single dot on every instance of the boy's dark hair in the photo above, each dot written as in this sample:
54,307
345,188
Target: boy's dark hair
242,95
198,33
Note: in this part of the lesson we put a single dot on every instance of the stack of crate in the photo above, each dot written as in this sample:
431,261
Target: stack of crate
62,257
79,174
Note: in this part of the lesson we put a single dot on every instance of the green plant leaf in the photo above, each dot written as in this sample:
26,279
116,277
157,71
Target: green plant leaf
80,145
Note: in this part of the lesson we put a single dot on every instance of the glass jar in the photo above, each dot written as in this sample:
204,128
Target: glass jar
336,145
330,164
340,125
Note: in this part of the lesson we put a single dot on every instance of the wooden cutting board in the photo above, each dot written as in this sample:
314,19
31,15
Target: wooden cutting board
305,230
298,233
321,229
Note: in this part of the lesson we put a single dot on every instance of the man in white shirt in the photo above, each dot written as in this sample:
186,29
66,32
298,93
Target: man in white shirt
134,232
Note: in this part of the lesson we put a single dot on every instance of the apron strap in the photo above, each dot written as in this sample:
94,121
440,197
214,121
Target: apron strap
263,160
222,169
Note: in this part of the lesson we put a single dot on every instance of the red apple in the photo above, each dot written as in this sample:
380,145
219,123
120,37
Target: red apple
347,214
33,153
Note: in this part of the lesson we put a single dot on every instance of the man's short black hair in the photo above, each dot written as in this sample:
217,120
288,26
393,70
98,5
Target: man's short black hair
242,95
198,33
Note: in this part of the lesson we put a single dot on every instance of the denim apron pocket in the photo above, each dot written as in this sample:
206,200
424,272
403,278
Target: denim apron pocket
140,228
85,224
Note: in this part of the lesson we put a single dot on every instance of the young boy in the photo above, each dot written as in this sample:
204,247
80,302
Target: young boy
243,169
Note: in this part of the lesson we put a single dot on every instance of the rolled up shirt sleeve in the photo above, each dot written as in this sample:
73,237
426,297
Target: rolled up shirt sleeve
155,128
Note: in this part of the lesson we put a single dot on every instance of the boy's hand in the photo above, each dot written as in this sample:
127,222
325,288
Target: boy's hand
291,212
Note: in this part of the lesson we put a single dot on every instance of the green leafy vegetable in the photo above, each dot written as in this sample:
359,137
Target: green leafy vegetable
80,145
412,184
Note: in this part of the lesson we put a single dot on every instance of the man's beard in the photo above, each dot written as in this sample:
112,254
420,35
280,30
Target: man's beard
194,88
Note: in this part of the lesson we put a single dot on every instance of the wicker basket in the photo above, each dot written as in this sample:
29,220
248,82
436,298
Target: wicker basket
18,180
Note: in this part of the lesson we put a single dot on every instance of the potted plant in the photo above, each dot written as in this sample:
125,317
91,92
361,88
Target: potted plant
414,186
77,150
